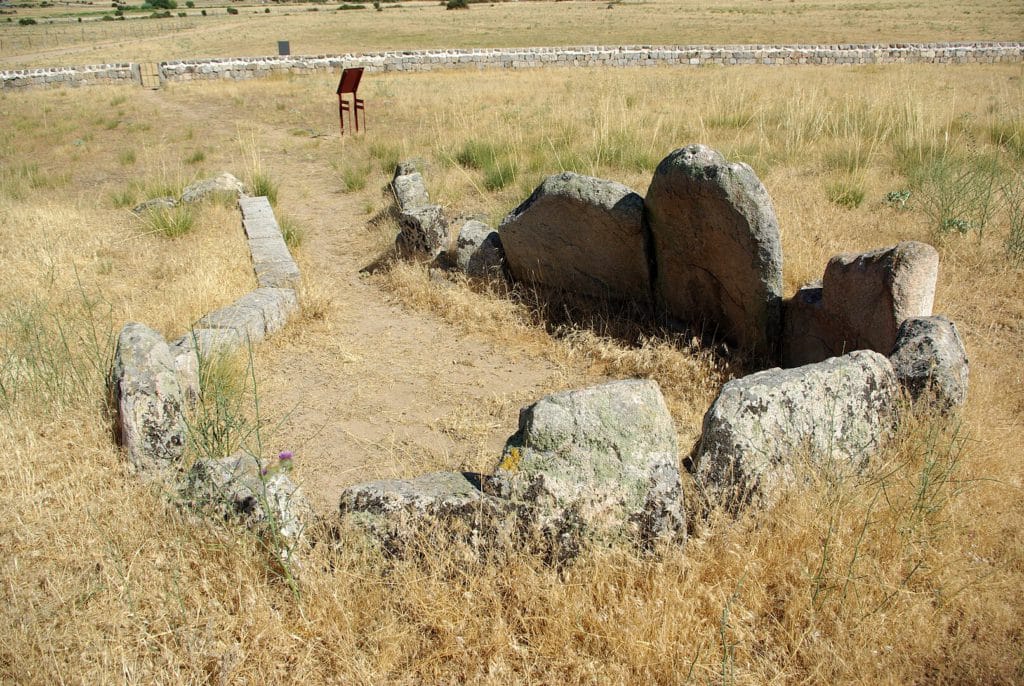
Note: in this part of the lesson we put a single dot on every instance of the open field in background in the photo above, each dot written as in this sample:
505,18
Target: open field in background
910,574
321,29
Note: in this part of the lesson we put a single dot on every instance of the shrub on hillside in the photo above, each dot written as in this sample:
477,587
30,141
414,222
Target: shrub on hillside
457,5
232,10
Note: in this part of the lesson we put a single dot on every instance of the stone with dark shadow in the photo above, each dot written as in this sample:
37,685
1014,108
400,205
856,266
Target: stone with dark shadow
582,235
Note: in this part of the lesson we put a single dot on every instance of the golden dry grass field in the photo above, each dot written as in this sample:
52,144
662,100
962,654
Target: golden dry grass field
910,573
59,39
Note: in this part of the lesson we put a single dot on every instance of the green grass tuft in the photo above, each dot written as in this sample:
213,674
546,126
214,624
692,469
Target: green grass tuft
262,184
171,222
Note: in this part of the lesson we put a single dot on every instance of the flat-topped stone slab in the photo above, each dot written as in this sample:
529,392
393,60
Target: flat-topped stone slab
255,314
258,218
277,274
271,249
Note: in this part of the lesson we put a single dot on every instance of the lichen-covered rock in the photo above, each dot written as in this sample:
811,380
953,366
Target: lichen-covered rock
931,362
410,191
762,426
478,250
254,490
580,234
599,463
717,247
148,400
222,184
424,232
868,295
397,512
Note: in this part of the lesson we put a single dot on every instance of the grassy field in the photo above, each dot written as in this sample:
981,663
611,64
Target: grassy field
909,574
322,29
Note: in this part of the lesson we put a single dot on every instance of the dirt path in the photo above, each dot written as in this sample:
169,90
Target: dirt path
375,390
372,389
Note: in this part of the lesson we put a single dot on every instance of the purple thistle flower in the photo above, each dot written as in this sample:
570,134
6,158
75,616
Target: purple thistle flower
285,455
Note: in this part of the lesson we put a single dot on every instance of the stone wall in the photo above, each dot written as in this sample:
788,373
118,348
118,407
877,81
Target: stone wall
238,68
92,74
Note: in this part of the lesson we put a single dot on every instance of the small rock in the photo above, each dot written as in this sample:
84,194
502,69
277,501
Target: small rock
835,413
931,362
164,203
424,232
237,486
478,250
397,512
580,234
598,463
148,399
224,183
407,167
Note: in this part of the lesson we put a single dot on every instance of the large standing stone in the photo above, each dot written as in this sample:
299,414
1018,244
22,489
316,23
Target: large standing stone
835,413
396,512
716,244
598,462
931,362
582,235
478,250
148,399
867,296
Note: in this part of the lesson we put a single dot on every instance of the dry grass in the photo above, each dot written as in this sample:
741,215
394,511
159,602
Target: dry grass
319,29
908,574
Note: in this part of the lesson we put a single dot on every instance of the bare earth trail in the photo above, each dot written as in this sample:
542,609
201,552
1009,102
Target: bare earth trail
376,390
366,388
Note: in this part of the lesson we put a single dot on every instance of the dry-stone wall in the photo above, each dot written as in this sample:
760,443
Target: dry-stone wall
239,68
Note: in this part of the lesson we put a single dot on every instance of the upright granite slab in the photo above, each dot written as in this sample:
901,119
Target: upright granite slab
861,303
423,226
148,399
717,248
931,362
580,234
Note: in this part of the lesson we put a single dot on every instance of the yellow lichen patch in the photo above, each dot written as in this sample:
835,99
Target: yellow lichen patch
510,460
